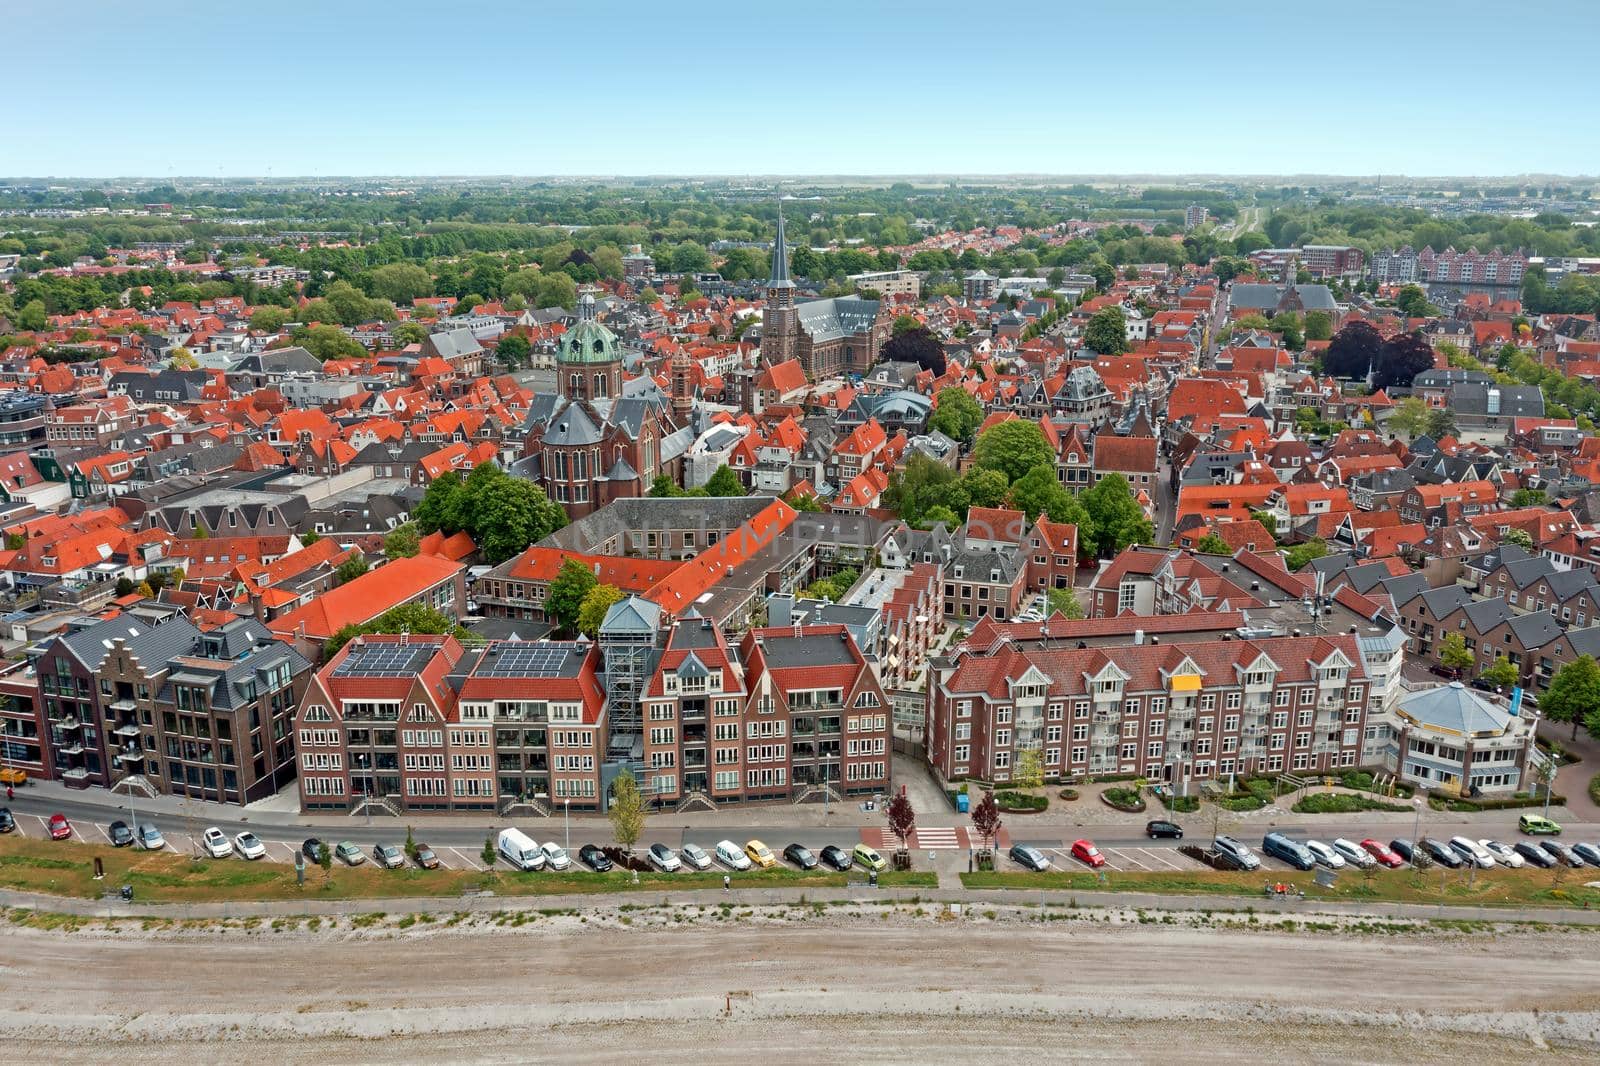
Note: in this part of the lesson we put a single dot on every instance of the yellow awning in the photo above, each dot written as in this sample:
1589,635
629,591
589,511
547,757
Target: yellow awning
1186,682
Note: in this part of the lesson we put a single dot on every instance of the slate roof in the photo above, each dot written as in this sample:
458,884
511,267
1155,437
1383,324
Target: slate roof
1456,708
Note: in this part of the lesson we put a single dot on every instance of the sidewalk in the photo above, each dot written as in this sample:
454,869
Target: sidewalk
1572,780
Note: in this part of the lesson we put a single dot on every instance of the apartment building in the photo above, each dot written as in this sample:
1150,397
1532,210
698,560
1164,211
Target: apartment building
1171,713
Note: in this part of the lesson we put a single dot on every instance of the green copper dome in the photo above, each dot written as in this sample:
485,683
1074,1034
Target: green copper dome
588,341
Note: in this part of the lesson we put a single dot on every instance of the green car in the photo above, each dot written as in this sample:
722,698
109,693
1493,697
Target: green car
1535,825
349,854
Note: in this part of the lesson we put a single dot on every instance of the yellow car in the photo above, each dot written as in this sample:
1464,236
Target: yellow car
761,855
868,858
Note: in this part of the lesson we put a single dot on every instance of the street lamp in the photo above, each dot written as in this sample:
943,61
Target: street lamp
566,820
1416,825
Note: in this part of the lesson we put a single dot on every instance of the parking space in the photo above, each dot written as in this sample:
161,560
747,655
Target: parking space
458,860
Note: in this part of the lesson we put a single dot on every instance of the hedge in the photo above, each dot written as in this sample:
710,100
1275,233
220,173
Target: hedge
1342,803
1502,803
1020,802
1181,804
1247,801
1594,788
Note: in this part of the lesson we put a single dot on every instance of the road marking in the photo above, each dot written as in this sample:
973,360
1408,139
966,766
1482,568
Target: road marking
1160,856
103,832
937,838
469,863
293,851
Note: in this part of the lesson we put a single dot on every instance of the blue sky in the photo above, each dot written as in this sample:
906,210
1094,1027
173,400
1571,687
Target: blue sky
325,87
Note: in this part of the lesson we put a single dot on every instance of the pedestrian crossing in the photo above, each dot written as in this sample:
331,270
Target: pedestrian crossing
931,838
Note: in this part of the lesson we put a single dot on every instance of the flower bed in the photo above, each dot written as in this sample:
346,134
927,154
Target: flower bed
1020,802
1067,794
1343,803
1123,799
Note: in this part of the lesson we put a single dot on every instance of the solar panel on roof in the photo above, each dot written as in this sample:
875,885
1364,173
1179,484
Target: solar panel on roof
526,659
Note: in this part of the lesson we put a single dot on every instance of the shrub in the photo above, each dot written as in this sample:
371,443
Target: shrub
1019,801
1359,780
1123,799
1067,794
1247,801
1181,804
1594,788
1342,803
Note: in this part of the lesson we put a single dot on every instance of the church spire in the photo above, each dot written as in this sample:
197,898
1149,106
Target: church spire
780,259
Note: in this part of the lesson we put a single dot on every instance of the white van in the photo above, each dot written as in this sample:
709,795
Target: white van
518,849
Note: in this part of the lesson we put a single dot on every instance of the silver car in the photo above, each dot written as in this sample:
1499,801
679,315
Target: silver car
1325,855
1473,852
1354,853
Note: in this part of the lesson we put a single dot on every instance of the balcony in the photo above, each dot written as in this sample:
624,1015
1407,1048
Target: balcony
1325,747
72,748
1181,717
127,758
1255,730
124,706
69,723
1180,736
127,729
1105,716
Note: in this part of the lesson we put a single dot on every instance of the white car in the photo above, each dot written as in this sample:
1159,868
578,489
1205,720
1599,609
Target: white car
250,847
1354,853
1472,851
1325,855
1504,854
732,856
555,856
663,859
695,856
215,841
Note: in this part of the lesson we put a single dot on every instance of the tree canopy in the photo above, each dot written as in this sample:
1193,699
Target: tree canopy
915,346
502,514
1573,693
1107,331
1013,447
592,611
571,587
957,415
1116,518
406,618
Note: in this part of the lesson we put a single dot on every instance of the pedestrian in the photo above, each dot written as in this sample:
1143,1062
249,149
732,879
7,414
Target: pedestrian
727,883
11,793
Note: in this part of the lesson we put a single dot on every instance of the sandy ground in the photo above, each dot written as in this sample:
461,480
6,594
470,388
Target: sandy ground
841,986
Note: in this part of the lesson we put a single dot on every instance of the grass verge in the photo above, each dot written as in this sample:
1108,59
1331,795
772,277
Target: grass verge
1487,888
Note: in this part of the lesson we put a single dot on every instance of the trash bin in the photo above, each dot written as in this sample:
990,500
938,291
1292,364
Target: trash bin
127,893
963,802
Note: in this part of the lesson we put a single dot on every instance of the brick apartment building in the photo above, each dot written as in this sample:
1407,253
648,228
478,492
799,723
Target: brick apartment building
1167,712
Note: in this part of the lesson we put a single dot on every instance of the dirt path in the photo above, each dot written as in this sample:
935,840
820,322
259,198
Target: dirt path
870,988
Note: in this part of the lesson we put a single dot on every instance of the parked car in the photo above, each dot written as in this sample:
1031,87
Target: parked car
311,849
60,828
1160,827
761,855
1504,854
10,775
869,858
1383,854
595,859
250,845
696,856
1535,825
1589,853
836,857
1533,854
216,844
1288,850
1031,858
426,857
1472,851
519,850
1325,855
121,836
1404,848
664,859
8,823
388,856
1440,852
1236,853
801,856
150,838
732,855
1085,852
555,856
349,853
1353,853
1561,852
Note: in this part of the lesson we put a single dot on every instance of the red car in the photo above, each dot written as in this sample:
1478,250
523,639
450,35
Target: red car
1383,853
1085,851
60,828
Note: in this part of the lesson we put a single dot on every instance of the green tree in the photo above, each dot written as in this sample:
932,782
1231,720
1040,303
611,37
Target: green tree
1573,693
31,317
556,290
1409,417
1528,498
936,514
1029,771
724,482
489,853
1441,423
592,611
572,584
325,860
1301,554
1412,302
649,296
1453,653
957,415
663,487
1013,447
406,618
351,569
513,350
1039,493
505,514
269,319
1502,674
1064,602
399,282
402,542
1319,326
985,488
329,342
442,507
1117,518
1211,544
409,333
1520,537
904,324
1107,332
626,812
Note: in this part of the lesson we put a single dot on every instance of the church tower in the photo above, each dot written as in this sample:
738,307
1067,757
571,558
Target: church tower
778,319
588,362
681,370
